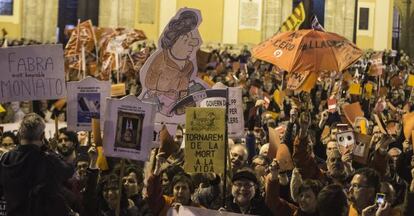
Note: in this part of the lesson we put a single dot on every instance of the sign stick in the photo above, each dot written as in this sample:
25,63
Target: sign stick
118,201
83,61
226,148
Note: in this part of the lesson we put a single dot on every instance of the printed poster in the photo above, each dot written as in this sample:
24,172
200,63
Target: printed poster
86,100
32,73
235,120
205,140
250,14
128,129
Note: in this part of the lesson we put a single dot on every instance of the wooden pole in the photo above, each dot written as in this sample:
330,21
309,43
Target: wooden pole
118,201
226,148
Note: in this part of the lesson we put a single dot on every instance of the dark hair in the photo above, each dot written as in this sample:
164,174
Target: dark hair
310,184
186,22
182,177
373,178
138,172
11,135
332,201
72,136
172,171
108,182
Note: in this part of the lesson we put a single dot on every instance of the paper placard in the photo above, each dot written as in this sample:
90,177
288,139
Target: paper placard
193,211
368,89
118,90
128,128
235,111
410,81
205,140
32,73
86,100
332,105
355,89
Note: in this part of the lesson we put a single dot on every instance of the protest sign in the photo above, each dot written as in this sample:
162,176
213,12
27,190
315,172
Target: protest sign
167,74
408,124
32,73
235,110
352,111
355,89
86,100
194,211
410,81
377,67
205,140
279,150
128,129
361,148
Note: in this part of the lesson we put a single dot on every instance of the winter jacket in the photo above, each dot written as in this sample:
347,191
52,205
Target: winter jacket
31,179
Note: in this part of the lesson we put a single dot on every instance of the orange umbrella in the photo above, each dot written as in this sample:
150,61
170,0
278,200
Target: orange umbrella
308,50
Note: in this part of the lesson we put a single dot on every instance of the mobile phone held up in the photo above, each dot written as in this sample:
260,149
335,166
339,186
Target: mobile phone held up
380,198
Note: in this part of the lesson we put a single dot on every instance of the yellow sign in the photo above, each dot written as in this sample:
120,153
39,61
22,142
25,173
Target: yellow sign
118,90
2,109
410,80
368,89
355,89
204,140
295,19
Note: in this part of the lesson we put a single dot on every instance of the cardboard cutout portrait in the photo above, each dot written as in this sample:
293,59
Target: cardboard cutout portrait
170,72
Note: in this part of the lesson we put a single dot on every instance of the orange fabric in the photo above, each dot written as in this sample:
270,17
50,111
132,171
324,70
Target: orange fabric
352,211
308,50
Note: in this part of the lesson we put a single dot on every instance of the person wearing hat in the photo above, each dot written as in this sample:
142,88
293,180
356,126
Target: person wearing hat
181,186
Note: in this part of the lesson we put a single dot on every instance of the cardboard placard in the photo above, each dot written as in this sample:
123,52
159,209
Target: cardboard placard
368,89
278,150
345,141
118,90
410,81
274,142
332,105
355,89
296,79
205,139
352,111
32,73
408,124
193,211
361,149
129,128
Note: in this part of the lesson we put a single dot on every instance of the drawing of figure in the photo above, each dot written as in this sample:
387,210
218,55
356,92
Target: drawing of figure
171,68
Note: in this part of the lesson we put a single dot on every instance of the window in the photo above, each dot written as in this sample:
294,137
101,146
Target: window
363,18
6,7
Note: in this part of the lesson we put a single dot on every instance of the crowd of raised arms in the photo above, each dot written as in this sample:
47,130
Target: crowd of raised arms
61,176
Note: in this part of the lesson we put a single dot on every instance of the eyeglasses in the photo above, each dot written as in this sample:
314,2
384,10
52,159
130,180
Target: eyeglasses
246,185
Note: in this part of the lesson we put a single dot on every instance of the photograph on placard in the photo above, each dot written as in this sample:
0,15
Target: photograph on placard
6,7
88,106
129,130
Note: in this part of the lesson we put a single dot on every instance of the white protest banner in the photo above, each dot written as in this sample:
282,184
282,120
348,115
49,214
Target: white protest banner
128,128
235,110
193,211
49,129
170,73
32,73
86,100
205,140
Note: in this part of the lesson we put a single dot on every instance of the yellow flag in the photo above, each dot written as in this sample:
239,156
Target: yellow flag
295,19
2,109
101,160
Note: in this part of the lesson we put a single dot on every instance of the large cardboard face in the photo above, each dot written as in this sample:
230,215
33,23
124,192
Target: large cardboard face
170,73
345,140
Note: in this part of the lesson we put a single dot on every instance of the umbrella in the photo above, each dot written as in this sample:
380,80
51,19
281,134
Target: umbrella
308,50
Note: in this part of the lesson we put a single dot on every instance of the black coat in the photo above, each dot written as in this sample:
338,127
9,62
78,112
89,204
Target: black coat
257,207
31,179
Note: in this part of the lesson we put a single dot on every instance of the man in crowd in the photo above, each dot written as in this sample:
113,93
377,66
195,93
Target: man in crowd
30,178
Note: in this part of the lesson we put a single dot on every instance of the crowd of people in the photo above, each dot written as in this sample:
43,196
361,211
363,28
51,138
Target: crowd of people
60,175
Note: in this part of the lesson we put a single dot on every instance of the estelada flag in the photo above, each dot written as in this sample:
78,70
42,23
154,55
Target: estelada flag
296,19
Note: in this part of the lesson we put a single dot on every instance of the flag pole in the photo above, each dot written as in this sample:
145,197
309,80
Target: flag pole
226,147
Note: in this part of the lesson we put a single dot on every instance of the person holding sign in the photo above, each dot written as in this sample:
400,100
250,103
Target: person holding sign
182,188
